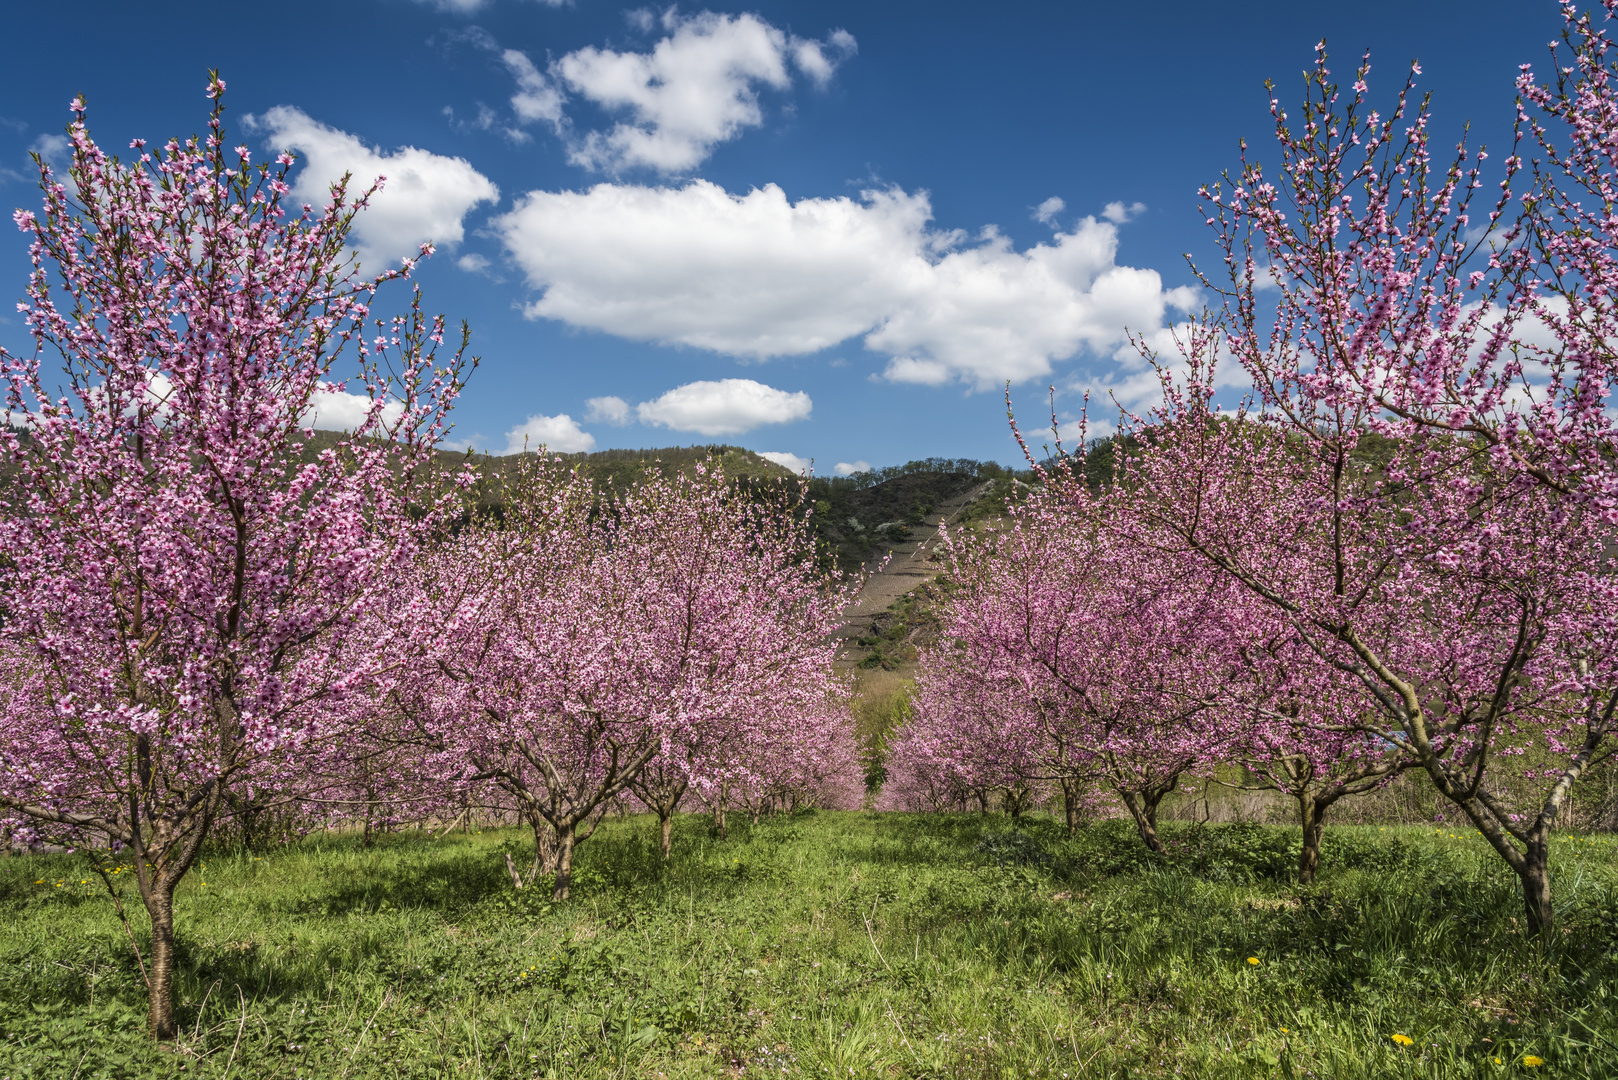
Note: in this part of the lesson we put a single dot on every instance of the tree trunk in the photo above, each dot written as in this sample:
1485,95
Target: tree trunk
1312,816
1536,886
544,846
160,997
564,862
1070,806
1143,808
665,820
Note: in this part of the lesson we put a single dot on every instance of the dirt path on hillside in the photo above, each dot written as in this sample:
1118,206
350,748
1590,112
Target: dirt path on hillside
910,564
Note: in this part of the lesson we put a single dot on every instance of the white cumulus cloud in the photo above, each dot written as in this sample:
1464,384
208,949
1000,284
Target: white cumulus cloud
339,410
819,59
1046,212
724,407
788,461
849,468
698,87
537,98
560,434
607,410
1118,213
425,199
755,275
55,149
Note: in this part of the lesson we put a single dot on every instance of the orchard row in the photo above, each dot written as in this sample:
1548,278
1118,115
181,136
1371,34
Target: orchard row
213,620
1395,555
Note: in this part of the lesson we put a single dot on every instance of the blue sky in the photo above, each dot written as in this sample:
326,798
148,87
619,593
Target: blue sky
825,230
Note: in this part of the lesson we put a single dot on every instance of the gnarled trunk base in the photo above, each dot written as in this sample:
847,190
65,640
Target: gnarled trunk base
564,863
1312,816
1143,808
1536,888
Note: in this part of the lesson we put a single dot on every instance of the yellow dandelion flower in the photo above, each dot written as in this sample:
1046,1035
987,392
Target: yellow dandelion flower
1402,1040
1532,1062
1253,960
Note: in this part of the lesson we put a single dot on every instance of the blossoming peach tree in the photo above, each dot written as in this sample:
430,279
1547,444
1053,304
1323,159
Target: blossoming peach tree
1421,486
584,636
1073,661
183,569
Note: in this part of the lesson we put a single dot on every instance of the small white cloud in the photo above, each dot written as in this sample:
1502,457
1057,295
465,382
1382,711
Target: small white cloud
608,410
811,57
425,199
641,19
472,263
339,410
1185,298
849,468
725,407
560,434
696,88
1118,213
484,120
1046,212
790,462
909,369
537,98
55,149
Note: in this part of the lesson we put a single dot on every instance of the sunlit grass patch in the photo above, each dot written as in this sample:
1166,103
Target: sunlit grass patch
889,945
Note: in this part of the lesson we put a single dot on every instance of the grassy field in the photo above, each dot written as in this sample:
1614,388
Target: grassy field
841,945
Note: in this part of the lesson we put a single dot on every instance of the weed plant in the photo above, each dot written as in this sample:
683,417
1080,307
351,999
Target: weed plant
832,945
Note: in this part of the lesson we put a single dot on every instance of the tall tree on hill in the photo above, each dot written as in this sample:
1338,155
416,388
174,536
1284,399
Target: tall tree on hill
181,579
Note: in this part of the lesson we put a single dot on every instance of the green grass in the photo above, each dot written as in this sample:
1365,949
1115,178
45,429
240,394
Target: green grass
832,945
